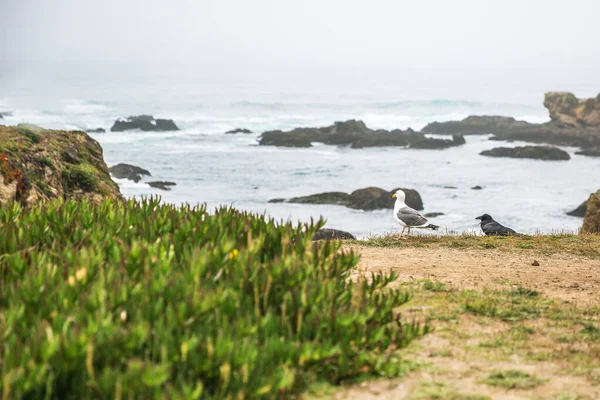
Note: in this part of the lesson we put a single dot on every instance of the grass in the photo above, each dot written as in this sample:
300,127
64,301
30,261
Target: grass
438,390
587,245
512,379
145,300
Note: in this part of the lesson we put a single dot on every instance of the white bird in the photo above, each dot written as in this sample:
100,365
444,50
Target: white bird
409,217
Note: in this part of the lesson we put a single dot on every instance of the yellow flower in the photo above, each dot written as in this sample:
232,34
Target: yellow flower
71,280
80,274
233,254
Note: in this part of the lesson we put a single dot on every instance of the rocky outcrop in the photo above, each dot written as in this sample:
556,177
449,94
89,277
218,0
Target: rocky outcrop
238,130
477,187
336,198
126,171
329,234
368,199
592,152
567,110
5,114
163,185
41,164
591,221
574,122
97,130
433,214
143,123
534,152
357,135
478,125
579,211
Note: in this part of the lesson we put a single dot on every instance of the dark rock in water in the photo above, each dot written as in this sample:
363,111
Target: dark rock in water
477,125
476,187
164,185
534,152
166,125
97,130
430,143
144,123
5,114
338,198
592,152
126,171
371,198
278,138
357,135
328,234
238,130
579,211
450,187
574,122
368,199
433,214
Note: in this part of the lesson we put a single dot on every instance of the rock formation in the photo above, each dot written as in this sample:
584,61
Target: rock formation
238,130
368,199
567,110
143,123
591,221
97,130
579,211
163,185
534,152
126,171
41,164
591,152
329,234
574,122
357,135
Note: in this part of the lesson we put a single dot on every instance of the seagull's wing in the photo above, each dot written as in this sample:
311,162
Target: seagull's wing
411,217
493,228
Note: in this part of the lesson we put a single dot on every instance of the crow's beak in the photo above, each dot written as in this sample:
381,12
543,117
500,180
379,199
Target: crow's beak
478,218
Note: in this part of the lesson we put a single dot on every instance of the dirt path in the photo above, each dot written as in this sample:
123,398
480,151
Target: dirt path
564,277
465,348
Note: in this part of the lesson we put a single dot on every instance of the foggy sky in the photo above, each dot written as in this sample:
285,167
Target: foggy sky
415,33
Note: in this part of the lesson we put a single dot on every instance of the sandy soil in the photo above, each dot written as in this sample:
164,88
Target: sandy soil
564,277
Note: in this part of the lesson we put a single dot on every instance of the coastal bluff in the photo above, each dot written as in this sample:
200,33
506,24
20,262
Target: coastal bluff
39,164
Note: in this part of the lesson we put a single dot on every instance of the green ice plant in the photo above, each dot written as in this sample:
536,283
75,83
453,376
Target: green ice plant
148,300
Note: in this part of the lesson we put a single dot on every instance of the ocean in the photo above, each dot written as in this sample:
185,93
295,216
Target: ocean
217,169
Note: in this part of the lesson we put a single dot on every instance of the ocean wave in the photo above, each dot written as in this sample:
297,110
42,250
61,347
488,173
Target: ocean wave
83,107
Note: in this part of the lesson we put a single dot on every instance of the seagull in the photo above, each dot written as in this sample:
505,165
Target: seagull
493,228
409,217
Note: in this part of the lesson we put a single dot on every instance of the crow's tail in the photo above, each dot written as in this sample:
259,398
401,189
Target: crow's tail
431,226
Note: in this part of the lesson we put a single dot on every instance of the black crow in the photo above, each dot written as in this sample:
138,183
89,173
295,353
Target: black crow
493,228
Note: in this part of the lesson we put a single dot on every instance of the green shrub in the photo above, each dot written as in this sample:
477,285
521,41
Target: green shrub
143,300
81,177
34,137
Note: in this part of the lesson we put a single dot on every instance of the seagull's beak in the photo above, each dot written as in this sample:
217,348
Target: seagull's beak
394,196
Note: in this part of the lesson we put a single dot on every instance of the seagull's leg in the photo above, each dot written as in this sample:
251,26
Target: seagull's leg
408,234
401,233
